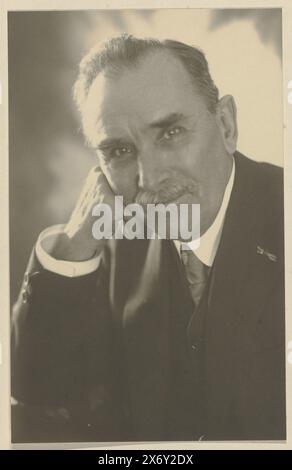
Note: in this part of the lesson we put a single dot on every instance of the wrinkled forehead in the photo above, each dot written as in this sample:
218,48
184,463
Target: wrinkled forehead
140,94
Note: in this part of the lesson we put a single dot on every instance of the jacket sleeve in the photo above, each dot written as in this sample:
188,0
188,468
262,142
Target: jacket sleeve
63,352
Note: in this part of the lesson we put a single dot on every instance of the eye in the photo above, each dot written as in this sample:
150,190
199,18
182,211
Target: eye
173,133
122,151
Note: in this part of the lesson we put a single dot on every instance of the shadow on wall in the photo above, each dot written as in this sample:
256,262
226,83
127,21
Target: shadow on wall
267,22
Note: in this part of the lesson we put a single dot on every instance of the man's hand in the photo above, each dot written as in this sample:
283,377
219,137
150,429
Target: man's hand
77,242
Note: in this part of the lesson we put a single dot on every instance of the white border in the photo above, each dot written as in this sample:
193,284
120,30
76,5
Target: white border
13,5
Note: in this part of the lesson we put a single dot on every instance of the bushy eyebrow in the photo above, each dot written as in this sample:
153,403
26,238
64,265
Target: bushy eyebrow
166,121
110,142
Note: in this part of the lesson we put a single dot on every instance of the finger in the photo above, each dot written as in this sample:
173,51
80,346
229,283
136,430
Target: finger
88,186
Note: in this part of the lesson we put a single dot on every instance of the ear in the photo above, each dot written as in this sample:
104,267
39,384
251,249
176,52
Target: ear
227,123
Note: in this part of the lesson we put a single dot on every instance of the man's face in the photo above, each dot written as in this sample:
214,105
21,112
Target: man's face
153,131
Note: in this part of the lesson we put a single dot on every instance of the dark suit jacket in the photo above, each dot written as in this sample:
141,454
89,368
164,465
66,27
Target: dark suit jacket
91,355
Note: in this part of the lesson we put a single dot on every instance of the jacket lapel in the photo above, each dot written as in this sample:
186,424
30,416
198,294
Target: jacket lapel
159,289
146,330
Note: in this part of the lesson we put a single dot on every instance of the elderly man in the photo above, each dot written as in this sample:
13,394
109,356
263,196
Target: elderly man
126,339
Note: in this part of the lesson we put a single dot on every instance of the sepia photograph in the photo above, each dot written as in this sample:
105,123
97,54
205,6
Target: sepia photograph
146,219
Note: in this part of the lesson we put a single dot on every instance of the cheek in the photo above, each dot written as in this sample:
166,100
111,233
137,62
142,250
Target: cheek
196,160
189,159
202,152
122,179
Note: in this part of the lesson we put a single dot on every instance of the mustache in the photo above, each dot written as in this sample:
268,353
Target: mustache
169,190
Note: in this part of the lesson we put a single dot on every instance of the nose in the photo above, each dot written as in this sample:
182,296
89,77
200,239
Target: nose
151,170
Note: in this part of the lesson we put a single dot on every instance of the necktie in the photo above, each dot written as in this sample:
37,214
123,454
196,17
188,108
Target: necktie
196,274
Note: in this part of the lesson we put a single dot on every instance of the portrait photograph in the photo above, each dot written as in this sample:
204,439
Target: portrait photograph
146,222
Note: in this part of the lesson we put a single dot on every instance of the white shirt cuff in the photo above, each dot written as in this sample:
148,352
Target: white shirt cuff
63,268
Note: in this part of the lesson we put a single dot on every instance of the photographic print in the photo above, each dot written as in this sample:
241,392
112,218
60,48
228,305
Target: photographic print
146,210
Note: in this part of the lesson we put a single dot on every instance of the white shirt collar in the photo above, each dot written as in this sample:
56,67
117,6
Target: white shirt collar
209,241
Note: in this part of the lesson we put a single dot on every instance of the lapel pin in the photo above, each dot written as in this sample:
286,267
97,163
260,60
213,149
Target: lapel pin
270,256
